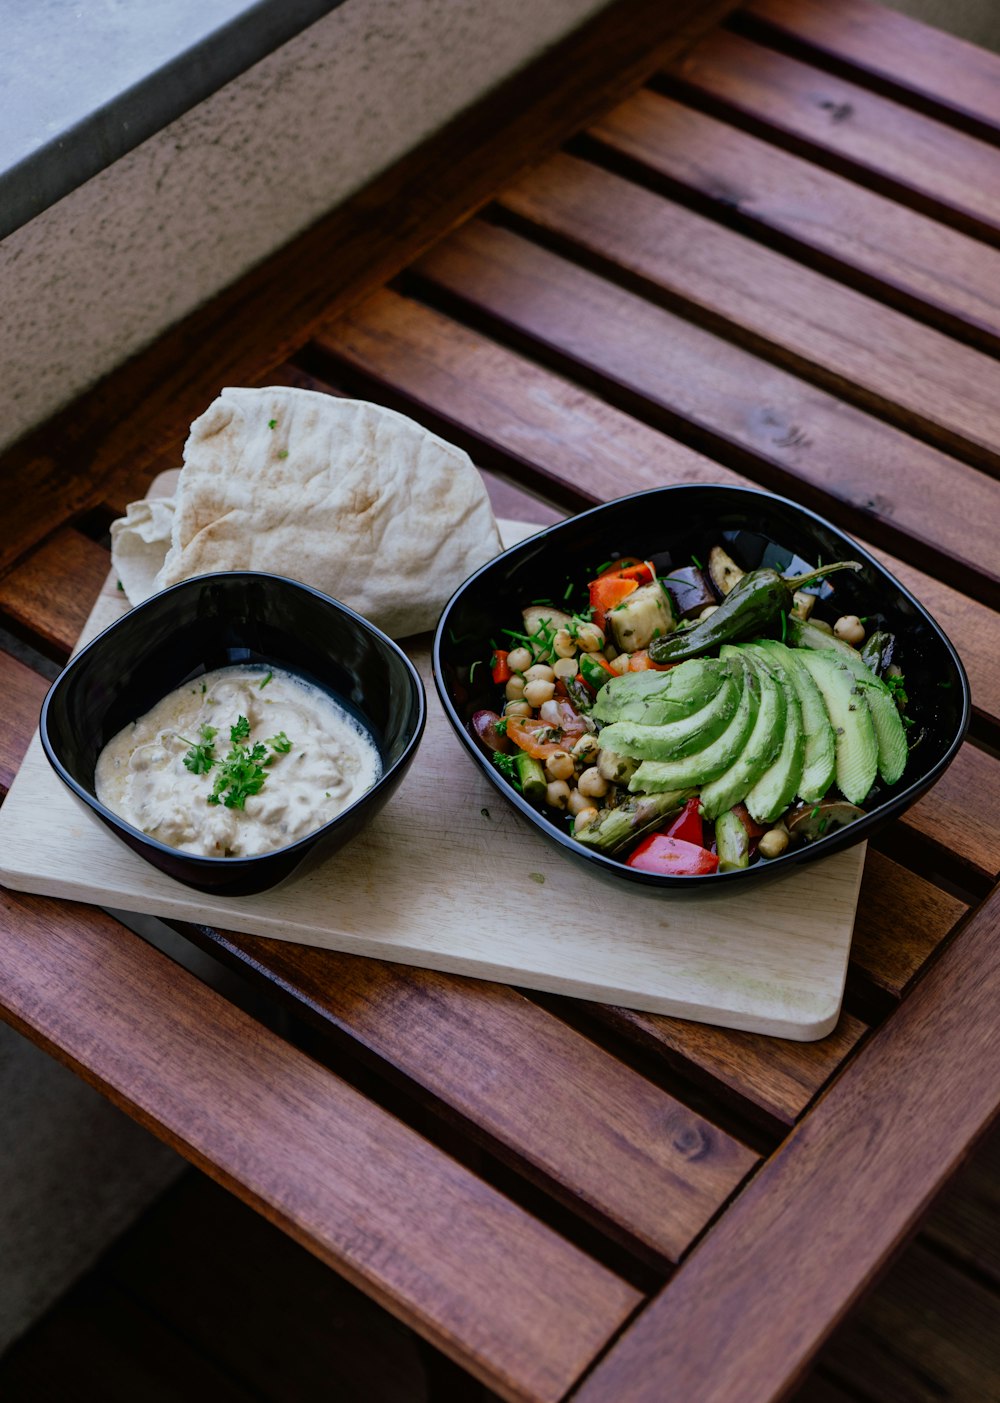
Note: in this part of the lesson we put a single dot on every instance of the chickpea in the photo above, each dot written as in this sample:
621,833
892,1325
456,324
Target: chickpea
557,794
592,783
514,689
587,748
564,644
517,708
578,802
590,638
538,693
610,653
518,659
620,664
565,668
559,765
707,612
849,629
540,672
774,842
584,819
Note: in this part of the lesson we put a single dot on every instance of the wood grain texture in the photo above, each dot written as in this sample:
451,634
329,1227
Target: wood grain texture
962,812
965,1223
796,317
50,595
624,1153
959,78
502,406
895,150
494,1288
902,921
746,1312
727,401
72,462
772,1075
23,692
884,248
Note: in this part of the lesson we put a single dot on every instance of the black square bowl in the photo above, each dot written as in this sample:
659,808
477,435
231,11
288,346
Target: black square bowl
216,621
670,525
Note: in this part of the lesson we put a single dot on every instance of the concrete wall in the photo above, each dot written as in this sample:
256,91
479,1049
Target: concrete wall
975,20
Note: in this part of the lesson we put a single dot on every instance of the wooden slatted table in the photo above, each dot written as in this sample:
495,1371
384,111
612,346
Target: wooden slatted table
765,252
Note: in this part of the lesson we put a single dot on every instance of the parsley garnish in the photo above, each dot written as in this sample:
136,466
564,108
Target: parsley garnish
240,774
505,764
265,681
696,561
240,731
280,743
200,758
272,423
121,586
283,453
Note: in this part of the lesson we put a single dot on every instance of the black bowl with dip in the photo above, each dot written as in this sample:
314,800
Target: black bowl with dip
671,525
217,621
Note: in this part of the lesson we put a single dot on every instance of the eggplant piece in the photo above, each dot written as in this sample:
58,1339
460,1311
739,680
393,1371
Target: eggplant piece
811,822
803,603
723,569
690,589
878,650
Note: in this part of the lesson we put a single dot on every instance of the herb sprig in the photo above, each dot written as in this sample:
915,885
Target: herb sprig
241,773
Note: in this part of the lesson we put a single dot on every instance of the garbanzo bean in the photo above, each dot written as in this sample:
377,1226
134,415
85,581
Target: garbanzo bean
539,672
584,819
586,749
565,668
590,638
514,688
537,693
773,843
517,708
559,765
557,794
850,629
518,659
578,802
564,644
592,783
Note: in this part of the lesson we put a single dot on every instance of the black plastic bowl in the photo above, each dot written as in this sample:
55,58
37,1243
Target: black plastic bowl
672,524
215,621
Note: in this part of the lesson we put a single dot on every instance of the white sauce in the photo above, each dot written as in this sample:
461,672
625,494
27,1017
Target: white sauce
141,775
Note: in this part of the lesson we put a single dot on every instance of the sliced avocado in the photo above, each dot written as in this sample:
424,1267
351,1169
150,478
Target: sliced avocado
654,698
779,783
677,738
762,745
732,842
804,633
644,615
819,763
844,698
653,776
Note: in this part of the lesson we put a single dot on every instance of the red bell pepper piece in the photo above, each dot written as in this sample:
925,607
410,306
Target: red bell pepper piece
607,593
630,567
687,824
753,828
501,671
640,661
672,857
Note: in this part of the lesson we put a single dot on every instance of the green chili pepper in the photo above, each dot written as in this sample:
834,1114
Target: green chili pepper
747,609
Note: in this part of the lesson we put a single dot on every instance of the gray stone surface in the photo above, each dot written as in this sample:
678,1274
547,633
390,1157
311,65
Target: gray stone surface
81,84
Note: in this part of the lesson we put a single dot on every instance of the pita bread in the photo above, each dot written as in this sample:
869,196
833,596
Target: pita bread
139,543
351,498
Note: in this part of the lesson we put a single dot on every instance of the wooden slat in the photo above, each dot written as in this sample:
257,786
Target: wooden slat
501,1293
962,812
495,401
928,1334
965,1223
745,1313
960,78
796,436
772,1075
628,1155
53,591
892,252
72,462
902,920
798,318
23,692
932,167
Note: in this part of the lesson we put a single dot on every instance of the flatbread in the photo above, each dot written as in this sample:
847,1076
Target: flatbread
139,543
351,498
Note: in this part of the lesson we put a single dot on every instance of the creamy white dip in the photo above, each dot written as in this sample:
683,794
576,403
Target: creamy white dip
329,763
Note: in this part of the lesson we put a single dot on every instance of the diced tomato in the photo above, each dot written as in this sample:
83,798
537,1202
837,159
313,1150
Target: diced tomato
753,828
533,736
672,857
641,662
501,669
687,824
607,593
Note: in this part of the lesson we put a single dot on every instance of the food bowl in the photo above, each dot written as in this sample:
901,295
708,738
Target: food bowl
672,525
216,621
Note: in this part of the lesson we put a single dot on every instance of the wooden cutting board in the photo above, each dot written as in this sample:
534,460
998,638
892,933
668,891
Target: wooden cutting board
451,877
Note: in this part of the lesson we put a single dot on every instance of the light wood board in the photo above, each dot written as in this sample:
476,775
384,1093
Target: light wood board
451,877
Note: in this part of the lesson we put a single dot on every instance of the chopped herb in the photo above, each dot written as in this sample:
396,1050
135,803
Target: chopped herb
280,743
240,731
266,681
569,590
821,826
327,794
606,566
545,601
505,764
814,812
472,669
501,726
121,586
282,454
784,626
537,877
241,774
204,688
200,758
696,561
272,423
940,684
